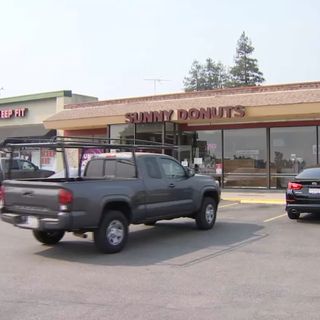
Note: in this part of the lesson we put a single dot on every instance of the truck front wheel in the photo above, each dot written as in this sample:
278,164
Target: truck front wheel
206,216
48,237
112,234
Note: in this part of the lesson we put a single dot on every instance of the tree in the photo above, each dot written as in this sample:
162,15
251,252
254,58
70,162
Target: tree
215,74
206,77
195,81
245,72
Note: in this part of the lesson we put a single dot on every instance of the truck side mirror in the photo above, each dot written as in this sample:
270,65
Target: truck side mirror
190,172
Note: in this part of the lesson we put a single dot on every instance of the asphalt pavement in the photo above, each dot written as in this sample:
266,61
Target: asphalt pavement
254,196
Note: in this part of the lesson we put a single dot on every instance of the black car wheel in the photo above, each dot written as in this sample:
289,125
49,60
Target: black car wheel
48,237
112,234
206,217
292,214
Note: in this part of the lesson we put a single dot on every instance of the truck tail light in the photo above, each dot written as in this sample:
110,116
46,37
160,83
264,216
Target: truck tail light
65,196
294,186
2,193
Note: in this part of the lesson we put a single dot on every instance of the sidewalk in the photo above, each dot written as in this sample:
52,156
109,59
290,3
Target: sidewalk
254,196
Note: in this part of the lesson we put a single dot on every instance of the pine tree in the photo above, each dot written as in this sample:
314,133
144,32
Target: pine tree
209,76
215,75
196,79
245,72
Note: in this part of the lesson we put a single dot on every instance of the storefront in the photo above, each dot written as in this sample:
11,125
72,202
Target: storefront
254,137
22,117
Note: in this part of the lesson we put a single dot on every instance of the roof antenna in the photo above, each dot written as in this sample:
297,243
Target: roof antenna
155,81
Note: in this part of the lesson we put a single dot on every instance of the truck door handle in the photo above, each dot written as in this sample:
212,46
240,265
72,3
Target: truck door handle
172,185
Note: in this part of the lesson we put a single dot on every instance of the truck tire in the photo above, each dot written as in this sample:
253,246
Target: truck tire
48,237
112,234
206,216
292,214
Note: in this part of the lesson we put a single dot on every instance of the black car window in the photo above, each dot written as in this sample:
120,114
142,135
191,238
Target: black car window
311,173
26,165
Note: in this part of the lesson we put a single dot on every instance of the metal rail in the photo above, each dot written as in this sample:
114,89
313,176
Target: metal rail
78,142
61,143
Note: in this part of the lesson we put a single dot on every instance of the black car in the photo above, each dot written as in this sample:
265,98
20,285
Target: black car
21,169
303,193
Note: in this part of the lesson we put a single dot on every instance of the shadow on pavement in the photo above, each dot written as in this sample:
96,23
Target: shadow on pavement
313,218
175,241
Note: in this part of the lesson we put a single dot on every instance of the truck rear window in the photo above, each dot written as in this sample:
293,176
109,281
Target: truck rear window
95,168
110,168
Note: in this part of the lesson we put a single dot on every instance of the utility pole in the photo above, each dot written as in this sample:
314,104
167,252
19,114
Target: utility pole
155,81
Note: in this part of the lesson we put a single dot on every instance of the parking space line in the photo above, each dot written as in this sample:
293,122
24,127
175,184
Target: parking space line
274,218
228,205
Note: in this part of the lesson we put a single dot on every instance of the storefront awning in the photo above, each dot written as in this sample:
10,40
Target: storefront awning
34,130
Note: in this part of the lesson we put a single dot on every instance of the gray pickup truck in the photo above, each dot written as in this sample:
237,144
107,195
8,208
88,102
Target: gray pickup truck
114,191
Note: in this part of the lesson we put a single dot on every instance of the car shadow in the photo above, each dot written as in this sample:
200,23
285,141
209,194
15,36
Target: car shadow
172,242
313,218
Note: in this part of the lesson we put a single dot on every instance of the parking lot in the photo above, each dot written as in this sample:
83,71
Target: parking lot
254,264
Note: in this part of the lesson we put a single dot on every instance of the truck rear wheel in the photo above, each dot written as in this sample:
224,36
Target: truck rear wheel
206,217
48,237
112,234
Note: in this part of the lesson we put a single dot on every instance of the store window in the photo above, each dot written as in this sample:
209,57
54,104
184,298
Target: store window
170,138
202,150
207,154
186,142
291,150
149,132
245,158
122,133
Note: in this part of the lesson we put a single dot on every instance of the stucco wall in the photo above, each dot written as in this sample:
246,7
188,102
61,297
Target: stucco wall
38,110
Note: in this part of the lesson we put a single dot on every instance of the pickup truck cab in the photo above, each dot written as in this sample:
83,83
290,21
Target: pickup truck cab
114,191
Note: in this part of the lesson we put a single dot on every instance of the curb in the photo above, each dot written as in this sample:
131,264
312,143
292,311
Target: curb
257,201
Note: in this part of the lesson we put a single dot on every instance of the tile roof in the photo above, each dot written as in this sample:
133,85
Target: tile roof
245,96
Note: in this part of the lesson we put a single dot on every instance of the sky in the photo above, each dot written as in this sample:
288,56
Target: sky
108,48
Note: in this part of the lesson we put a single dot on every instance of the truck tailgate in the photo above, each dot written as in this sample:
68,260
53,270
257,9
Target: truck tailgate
29,197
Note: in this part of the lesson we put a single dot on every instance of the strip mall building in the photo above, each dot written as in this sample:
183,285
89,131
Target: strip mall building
254,137
23,116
